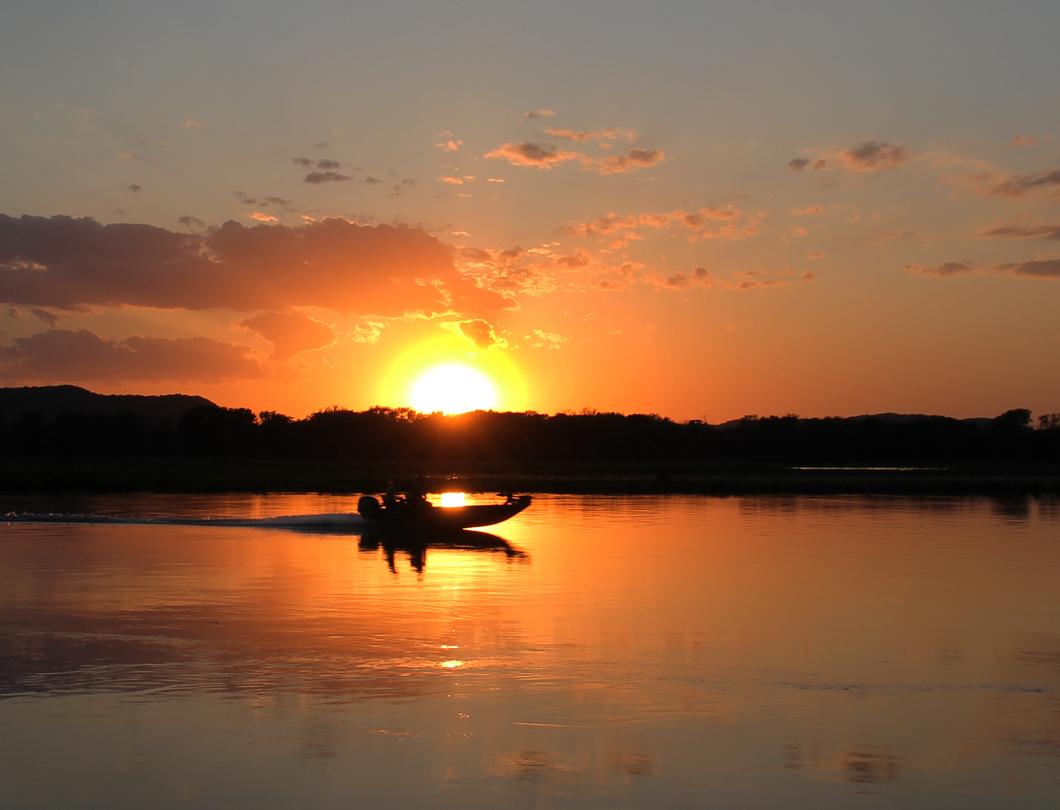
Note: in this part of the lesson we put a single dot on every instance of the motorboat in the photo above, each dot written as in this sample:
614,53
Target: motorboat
422,515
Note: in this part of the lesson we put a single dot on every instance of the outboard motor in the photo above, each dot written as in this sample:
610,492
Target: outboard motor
369,507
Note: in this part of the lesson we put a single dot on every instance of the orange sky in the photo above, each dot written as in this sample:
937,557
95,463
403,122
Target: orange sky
707,215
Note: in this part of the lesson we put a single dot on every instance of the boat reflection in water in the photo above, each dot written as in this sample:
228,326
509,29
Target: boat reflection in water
415,544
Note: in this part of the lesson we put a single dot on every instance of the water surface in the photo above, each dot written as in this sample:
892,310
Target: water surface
594,652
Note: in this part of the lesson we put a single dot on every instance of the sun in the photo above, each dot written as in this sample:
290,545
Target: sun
452,388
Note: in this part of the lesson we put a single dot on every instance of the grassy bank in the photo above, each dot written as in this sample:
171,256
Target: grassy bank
226,475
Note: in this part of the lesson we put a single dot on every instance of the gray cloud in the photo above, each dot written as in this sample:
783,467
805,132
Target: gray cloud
1024,232
316,178
81,355
1044,269
873,156
1020,184
368,269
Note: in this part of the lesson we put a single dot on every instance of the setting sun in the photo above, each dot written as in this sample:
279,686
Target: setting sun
452,388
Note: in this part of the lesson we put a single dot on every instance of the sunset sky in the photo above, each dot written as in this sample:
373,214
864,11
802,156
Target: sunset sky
697,209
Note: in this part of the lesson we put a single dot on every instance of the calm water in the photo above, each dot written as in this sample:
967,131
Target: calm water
605,652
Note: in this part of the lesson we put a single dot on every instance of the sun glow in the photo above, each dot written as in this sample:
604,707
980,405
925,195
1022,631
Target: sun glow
453,499
452,388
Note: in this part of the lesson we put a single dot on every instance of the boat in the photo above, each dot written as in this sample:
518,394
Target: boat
424,516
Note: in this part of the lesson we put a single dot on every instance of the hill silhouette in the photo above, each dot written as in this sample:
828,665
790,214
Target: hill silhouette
50,401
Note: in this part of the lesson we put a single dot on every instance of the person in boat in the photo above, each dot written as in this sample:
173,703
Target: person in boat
417,494
390,498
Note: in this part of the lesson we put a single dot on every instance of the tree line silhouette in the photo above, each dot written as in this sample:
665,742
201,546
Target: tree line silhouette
602,440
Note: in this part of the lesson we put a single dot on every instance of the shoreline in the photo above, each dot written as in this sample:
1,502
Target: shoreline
112,476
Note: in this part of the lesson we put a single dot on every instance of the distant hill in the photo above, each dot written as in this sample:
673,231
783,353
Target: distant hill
888,418
53,400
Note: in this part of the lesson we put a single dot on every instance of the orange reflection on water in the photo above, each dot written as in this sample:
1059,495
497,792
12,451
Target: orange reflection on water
888,645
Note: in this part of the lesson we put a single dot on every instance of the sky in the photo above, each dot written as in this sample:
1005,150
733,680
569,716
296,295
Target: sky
702,210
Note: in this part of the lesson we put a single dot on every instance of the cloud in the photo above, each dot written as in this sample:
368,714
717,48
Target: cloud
448,142
81,355
705,223
380,270
1042,268
1024,140
191,122
131,156
1020,184
946,269
632,160
452,181
809,211
261,216
479,332
796,232
191,223
542,339
873,156
264,202
1047,269
135,188
304,162
537,155
316,178
540,112
290,332
1024,232
864,157
583,135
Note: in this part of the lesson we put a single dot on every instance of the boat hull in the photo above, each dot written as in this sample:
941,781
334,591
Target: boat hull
443,518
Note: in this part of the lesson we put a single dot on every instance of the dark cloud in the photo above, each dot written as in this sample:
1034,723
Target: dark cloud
479,332
873,156
945,269
321,145
1043,268
191,223
1021,184
135,188
326,163
540,112
304,162
368,269
1024,232
372,180
316,178
290,332
867,156
45,315
81,355
264,202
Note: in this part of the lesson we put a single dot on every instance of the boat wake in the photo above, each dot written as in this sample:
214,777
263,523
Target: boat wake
339,521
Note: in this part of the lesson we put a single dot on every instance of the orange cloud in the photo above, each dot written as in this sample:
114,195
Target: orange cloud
581,136
708,222
537,155
540,112
290,332
448,142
